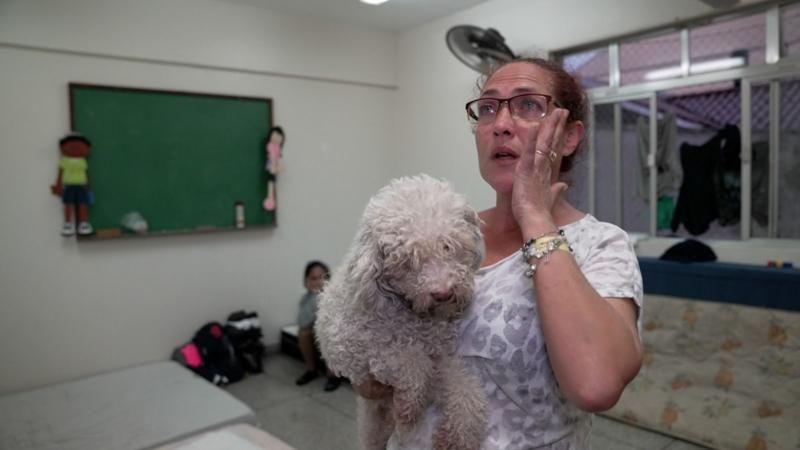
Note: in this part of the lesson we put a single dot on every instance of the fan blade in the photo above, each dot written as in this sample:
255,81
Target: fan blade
479,49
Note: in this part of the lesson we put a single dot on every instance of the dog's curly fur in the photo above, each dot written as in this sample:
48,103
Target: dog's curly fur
391,310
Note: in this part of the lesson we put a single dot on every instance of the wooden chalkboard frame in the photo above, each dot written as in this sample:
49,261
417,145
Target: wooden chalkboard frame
255,180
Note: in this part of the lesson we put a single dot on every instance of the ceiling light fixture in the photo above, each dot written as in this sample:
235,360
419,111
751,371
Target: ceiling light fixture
373,2
701,67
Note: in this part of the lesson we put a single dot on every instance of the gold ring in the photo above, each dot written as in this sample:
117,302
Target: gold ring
552,155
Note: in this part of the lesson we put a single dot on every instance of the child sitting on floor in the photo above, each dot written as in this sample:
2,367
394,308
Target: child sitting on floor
315,275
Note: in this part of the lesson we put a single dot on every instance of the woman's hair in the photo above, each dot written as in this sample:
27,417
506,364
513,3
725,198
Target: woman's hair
567,90
312,264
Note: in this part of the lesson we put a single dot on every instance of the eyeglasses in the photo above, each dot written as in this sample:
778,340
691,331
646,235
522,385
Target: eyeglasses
523,106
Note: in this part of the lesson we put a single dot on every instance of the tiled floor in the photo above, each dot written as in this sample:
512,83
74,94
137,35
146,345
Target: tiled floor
308,418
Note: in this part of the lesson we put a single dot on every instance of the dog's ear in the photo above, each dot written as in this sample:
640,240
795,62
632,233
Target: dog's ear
365,265
471,216
476,263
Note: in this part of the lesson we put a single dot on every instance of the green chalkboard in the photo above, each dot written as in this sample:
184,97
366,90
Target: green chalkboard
182,160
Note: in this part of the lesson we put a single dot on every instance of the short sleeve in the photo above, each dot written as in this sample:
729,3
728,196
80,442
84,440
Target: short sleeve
612,269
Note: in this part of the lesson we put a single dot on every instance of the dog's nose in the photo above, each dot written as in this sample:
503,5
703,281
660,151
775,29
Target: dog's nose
442,296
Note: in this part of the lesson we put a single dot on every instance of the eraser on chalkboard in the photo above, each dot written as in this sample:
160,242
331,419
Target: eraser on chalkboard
108,232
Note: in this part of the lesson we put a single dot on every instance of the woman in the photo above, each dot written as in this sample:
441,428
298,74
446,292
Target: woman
553,330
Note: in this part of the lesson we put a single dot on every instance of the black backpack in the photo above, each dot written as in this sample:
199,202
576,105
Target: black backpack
244,331
211,355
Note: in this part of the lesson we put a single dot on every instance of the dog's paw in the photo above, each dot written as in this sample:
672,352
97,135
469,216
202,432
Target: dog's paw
406,413
446,441
405,420
449,436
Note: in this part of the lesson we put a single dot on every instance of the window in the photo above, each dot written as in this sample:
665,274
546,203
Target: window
728,40
790,30
699,105
635,130
590,66
605,164
708,144
759,166
788,163
642,57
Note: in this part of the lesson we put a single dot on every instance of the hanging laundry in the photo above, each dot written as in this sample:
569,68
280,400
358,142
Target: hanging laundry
697,199
760,183
666,160
665,208
728,175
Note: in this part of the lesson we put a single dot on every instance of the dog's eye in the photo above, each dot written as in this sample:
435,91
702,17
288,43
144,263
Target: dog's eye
446,248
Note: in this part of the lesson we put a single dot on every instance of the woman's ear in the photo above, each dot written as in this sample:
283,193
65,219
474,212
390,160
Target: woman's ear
572,137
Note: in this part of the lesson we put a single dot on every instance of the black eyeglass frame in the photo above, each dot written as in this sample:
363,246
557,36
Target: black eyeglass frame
474,119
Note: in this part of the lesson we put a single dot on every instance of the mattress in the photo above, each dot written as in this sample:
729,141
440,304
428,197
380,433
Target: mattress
741,284
232,437
136,408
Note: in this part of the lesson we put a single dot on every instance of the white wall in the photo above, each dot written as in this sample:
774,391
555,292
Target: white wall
204,32
68,309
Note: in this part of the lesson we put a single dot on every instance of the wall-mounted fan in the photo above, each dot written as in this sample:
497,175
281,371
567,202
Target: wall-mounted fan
478,48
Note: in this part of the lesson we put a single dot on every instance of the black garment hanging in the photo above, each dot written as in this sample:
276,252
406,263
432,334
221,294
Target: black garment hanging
728,176
697,199
759,182
711,187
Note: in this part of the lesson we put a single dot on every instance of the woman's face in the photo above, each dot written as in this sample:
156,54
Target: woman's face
315,279
501,142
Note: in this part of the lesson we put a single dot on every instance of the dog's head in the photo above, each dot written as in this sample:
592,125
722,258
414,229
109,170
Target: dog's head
423,245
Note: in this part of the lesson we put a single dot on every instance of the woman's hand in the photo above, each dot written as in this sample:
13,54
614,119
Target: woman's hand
372,389
534,192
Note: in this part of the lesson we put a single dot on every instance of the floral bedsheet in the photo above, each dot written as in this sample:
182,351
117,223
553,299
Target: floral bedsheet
722,375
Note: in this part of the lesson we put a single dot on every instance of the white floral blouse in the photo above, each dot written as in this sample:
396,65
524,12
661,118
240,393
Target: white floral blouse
501,342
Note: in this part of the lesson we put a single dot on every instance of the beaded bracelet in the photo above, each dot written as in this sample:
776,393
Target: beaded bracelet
544,248
541,247
531,241
528,248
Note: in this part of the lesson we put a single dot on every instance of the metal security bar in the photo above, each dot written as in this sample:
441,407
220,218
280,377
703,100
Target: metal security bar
776,66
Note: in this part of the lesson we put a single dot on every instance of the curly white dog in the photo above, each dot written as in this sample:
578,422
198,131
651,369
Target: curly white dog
391,310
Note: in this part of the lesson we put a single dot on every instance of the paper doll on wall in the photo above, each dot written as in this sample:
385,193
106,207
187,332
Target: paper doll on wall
274,149
72,183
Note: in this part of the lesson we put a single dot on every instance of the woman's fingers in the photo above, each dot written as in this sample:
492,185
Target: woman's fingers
551,134
557,189
529,154
561,125
534,192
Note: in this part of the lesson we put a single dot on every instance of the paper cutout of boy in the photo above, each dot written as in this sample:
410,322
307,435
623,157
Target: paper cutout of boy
274,150
72,183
